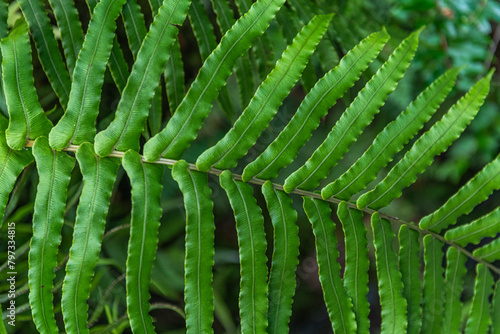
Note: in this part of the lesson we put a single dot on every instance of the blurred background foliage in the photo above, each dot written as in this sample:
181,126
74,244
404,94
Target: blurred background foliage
458,32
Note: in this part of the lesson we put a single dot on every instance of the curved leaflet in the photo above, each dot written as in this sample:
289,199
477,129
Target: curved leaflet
71,30
390,285
12,163
431,143
285,258
325,93
26,117
455,271
352,122
194,108
480,319
266,101
252,250
357,263
392,139
47,47
199,260
486,226
78,122
174,77
433,292
489,252
474,192
135,25
124,131
205,37
338,303
409,266
99,174
54,170
145,180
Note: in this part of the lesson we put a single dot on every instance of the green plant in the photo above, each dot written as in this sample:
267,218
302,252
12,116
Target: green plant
104,140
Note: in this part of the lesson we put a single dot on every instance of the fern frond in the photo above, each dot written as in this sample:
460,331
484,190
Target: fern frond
252,250
430,144
99,174
338,303
392,139
472,233
495,312
78,122
357,263
392,301
71,30
47,48
125,129
409,265
359,114
155,5
54,170
282,279
199,260
244,74
489,252
480,319
26,117
477,190
187,119
4,30
266,101
433,290
331,87
174,77
12,163
135,25
205,36
454,278
145,180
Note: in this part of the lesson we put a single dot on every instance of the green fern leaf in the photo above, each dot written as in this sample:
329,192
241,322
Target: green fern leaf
433,297
187,120
261,48
155,5
338,303
392,301
477,190
47,47
455,271
174,77
409,265
392,139
357,263
431,143
495,313
54,170
480,318
252,248
135,25
26,117
99,174
474,232
124,131
145,180
78,123
71,30
266,101
200,227
359,114
12,163
331,87
489,252
285,258
244,74
4,29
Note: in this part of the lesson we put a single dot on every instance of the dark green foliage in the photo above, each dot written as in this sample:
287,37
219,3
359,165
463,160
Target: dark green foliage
114,250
